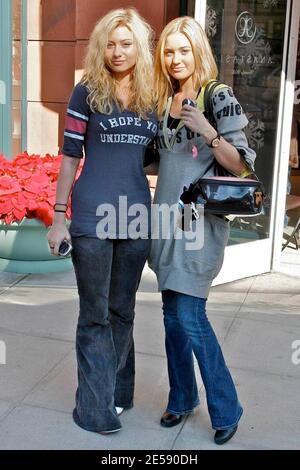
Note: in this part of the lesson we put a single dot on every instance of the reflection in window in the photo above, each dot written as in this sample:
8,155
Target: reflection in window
247,38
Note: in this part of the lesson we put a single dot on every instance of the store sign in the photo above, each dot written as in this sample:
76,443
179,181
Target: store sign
245,28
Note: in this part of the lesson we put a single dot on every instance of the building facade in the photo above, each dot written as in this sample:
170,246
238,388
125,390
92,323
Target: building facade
255,43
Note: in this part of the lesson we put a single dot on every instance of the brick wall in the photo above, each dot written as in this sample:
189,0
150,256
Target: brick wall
58,32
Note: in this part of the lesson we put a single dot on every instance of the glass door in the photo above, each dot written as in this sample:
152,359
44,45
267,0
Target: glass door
13,71
249,41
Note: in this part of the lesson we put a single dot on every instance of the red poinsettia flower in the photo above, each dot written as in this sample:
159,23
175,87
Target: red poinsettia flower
28,187
5,166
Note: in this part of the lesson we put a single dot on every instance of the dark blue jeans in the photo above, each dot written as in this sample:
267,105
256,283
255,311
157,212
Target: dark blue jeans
108,273
188,330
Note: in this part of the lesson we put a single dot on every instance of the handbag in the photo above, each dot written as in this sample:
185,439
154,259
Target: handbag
223,194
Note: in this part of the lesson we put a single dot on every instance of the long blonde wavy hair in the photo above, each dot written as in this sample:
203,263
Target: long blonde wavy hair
101,82
205,65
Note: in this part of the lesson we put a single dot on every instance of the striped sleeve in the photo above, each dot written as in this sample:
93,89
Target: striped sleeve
77,118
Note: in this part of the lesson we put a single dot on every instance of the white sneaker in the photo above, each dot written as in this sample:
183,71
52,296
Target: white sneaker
104,433
119,410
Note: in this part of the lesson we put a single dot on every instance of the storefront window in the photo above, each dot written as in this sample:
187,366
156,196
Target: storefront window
187,7
247,38
12,86
175,8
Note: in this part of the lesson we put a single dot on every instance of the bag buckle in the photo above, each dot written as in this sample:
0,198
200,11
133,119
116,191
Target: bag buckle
195,213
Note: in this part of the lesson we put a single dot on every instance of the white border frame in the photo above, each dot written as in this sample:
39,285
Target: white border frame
200,12
245,260
284,137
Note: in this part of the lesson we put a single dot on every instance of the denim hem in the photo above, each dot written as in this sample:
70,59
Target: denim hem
91,428
222,428
185,412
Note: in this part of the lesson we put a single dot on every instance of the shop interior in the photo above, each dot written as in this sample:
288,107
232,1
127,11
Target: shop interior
292,219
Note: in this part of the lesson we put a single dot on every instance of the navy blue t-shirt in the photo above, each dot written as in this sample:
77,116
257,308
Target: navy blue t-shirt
114,147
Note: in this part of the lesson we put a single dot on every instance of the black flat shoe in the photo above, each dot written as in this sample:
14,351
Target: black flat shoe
224,435
169,420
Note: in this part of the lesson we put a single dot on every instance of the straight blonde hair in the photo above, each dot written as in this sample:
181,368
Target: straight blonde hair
205,64
101,82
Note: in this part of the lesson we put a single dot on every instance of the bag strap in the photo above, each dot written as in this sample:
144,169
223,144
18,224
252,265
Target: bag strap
204,100
205,104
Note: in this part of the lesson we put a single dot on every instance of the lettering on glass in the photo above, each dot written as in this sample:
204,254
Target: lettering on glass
245,28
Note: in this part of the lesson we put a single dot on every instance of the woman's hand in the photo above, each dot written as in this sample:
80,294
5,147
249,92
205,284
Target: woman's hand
57,233
195,120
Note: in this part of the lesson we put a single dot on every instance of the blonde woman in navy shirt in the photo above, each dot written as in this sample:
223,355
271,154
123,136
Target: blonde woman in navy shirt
110,121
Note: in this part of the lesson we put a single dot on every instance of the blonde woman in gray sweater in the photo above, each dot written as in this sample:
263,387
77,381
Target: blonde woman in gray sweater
189,147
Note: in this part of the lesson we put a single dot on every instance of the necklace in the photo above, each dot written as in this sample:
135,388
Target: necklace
171,126
168,135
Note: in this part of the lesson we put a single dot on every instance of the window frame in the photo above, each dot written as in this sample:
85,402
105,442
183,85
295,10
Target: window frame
6,64
24,74
6,76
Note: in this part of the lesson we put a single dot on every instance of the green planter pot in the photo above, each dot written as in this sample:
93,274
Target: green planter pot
24,249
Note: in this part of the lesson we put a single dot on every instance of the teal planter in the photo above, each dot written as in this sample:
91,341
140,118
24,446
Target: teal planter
24,249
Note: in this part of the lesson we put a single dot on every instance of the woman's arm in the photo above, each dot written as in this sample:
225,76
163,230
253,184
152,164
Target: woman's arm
67,173
65,182
77,117
233,153
226,154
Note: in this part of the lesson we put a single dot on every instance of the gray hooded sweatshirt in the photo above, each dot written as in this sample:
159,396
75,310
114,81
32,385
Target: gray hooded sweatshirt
179,263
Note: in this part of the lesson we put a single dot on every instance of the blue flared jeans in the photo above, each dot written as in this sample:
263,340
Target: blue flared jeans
108,273
189,331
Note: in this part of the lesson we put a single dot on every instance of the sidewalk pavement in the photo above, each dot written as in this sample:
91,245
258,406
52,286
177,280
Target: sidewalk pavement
256,320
